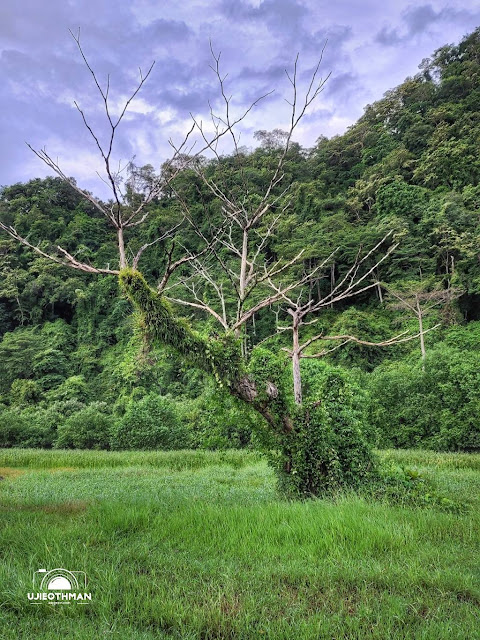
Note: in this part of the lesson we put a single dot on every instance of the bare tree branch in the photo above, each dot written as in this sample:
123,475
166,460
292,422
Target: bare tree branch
164,236
70,261
401,337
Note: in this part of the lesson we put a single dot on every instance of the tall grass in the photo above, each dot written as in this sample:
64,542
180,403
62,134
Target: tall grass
83,459
195,459
196,545
434,459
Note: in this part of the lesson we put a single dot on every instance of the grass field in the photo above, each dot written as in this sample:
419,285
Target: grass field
197,545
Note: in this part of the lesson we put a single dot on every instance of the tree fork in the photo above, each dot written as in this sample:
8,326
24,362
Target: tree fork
219,357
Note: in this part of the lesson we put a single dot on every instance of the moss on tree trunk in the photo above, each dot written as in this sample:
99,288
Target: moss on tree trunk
314,447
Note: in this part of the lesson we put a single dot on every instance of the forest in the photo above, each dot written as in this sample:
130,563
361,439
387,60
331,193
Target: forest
80,371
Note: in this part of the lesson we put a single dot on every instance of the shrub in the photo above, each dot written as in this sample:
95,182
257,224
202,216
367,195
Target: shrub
216,421
73,388
89,428
436,409
394,406
150,423
327,448
24,392
464,337
42,425
67,408
35,427
13,427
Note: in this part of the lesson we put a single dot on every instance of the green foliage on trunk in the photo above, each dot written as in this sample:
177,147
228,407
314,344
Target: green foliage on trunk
220,357
327,449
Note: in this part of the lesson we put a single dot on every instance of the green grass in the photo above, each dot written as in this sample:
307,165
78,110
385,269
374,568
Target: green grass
82,459
422,458
197,545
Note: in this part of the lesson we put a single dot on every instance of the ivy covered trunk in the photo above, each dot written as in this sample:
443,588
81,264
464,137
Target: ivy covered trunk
314,447
326,450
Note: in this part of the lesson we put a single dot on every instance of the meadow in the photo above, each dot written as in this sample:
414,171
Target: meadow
199,545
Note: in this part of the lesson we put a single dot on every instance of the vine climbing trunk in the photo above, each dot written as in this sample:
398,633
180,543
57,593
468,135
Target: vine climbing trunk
312,446
221,357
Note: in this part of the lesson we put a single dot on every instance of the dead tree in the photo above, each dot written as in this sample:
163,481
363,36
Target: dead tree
420,303
237,248
353,283
246,228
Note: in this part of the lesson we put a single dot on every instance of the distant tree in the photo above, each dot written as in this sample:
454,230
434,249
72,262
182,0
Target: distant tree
271,140
419,300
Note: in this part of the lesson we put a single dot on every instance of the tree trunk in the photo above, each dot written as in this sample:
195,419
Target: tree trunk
379,291
310,455
332,280
121,248
297,379
421,332
243,268
221,357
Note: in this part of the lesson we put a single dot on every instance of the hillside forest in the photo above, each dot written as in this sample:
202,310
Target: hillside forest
79,371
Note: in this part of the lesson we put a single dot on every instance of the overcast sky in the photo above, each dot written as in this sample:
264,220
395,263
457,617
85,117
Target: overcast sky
372,46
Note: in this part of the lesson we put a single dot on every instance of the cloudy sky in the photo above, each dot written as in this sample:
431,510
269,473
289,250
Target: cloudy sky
372,46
